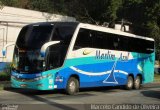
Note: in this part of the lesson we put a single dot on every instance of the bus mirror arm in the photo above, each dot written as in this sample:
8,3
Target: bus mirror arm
4,50
45,46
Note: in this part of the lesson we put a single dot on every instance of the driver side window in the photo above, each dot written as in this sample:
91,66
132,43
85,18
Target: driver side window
55,56
84,39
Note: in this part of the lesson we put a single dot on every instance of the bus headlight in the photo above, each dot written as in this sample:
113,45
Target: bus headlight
42,77
23,85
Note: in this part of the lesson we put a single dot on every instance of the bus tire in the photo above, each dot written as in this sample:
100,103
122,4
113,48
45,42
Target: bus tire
72,86
129,84
137,83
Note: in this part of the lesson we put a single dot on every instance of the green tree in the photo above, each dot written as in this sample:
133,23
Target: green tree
41,5
132,10
9,2
59,6
152,14
94,11
1,5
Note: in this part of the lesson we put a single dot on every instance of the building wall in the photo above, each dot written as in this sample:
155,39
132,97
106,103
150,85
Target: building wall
13,19
23,15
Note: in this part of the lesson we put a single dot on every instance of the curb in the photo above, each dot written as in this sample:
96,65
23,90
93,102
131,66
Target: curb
150,85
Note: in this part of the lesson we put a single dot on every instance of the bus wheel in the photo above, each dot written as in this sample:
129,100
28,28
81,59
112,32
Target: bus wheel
137,82
72,86
129,84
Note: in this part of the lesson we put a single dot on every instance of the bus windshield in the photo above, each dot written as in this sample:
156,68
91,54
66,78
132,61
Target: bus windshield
27,61
33,37
27,57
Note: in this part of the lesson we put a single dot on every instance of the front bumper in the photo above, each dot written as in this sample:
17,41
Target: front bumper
43,81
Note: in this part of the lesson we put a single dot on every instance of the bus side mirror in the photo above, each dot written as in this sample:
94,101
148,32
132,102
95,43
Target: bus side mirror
5,48
45,46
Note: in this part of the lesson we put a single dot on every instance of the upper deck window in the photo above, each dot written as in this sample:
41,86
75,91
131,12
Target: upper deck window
33,37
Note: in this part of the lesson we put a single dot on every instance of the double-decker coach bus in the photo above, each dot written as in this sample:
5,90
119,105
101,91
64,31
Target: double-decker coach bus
72,55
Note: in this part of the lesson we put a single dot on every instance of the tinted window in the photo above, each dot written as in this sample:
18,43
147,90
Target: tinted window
22,35
103,40
57,52
56,56
140,45
84,39
40,35
63,33
33,37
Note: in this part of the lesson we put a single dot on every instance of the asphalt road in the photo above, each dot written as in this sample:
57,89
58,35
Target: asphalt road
45,100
